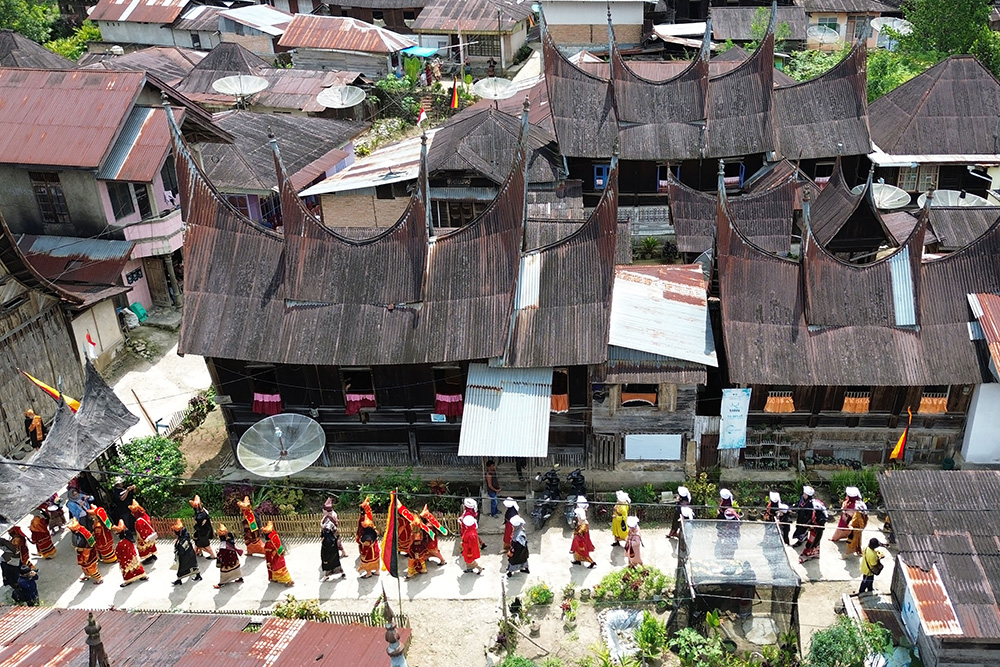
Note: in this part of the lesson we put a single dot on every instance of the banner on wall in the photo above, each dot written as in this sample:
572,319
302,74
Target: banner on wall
733,429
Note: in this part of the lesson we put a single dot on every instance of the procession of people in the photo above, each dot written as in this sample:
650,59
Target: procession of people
93,537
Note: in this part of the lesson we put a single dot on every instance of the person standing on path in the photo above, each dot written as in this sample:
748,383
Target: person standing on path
251,531
619,517
330,517
78,504
433,550
40,535
228,562
817,524
274,556
329,552
127,556
508,529
517,557
471,508
470,545
86,554
633,543
852,496
102,533
202,529
417,553
145,535
683,500
784,517
871,560
368,539
582,546
857,525
803,514
184,555
20,542
26,592
34,428
492,486
121,497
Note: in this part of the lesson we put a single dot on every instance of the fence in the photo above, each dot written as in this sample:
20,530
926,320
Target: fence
400,620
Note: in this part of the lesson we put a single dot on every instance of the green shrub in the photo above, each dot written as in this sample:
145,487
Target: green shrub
198,408
646,494
552,661
517,661
638,583
865,479
306,610
703,490
847,643
155,465
651,636
696,650
539,594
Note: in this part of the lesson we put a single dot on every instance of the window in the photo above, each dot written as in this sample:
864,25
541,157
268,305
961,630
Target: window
358,381
918,179
270,211
49,196
601,172
829,22
483,45
378,15
195,40
856,26
141,193
409,15
560,390
639,395
934,400
452,214
168,174
121,199
240,203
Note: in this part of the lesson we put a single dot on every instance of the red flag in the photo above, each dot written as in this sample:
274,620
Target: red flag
390,543
422,117
454,94
897,451
92,350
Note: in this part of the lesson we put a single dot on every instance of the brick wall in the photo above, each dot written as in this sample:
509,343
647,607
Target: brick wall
361,210
594,34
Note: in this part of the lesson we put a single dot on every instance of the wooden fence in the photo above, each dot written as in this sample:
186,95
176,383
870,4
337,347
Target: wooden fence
302,525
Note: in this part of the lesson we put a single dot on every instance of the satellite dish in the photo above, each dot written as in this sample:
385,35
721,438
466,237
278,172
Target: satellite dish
494,88
823,34
281,445
341,97
952,198
240,86
901,26
886,197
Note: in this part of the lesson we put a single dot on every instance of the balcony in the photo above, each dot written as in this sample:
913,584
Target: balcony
158,235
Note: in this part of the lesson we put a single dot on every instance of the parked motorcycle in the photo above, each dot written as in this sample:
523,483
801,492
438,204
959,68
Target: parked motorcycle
547,501
578,489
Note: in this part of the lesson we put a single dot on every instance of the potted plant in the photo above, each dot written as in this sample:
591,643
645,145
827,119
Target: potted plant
569,608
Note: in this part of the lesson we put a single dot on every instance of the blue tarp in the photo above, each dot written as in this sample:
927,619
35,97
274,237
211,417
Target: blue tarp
420,51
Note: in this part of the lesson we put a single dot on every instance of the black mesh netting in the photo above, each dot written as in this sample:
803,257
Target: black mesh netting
741,569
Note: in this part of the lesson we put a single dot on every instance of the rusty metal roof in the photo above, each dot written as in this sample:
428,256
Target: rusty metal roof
769,341
625,366
63,118
55,637
964,549
16,265
141,147
198,18
827,115
845,6
469,16
764,216
563,304
663,310
739,106
958,226
170,64
138,11
949,109
661,70
934,607
16,50
986,308
89,268
341,33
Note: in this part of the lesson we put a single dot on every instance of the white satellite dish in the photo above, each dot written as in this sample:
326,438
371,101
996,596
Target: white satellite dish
240,86
341,97
822,34
952,198
494,88
901,26
281,445
886,197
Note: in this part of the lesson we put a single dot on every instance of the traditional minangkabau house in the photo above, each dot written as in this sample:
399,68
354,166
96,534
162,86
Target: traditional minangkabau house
676,128
837,351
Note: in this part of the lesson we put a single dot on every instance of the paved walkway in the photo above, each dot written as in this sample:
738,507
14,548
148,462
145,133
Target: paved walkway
550,562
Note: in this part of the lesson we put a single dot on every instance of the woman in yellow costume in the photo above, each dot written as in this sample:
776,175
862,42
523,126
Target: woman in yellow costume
619,516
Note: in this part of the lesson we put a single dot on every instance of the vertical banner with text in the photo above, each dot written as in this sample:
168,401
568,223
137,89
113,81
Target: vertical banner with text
733,430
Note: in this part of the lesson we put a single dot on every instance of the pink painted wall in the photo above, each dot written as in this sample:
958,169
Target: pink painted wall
140,288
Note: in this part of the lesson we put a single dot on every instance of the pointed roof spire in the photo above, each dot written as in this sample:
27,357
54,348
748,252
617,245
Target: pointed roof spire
395,649
98,656
425,186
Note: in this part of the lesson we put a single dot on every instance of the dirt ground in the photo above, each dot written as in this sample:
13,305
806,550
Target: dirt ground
206,447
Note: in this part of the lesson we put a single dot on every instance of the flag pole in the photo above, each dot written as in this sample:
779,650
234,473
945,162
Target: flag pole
399,586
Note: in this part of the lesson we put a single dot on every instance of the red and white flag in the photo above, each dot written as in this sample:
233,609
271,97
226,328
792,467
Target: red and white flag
91,347
422,117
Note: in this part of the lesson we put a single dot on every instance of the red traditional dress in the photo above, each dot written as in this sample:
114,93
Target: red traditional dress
363,517
145,539
274,554
470,547
417,552
582,545
369,550
404,535
102,533
20,542
41,537
86,554
251,531
128,561
843,530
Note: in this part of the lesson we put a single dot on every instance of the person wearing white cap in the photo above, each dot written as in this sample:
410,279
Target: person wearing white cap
858,524
771,509
470,508
727,527
683,501
817,524
852,496
803,512
725,504
619,515
784,518
517,555
687,513
633,543
470,545
582,546
508,529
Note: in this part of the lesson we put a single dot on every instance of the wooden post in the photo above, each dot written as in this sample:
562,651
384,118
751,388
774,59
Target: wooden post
152,425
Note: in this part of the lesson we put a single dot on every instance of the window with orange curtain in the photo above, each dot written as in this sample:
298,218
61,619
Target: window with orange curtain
560,390
934,400
639,395
779,401
857,401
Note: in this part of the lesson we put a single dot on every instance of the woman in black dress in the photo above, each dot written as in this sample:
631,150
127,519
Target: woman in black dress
202,529
186,559
330,552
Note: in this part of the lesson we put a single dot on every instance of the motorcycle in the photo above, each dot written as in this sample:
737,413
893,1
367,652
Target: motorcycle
545,505
578,489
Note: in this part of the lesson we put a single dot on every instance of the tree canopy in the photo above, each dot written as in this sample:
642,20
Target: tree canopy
29,18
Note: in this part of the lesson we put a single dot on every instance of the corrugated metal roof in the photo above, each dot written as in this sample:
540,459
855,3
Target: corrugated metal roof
934,608
958,226
141,146
138,11
17,50
903,288
845,6
341,33
625,366
949,109
506,412
986,309
392,164
198,18
169,64
469,16
663,310
88,268
63,118
265,18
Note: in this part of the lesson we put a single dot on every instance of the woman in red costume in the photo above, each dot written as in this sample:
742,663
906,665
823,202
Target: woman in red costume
128,557
274,554
582,546
102,533
145,540
40,535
